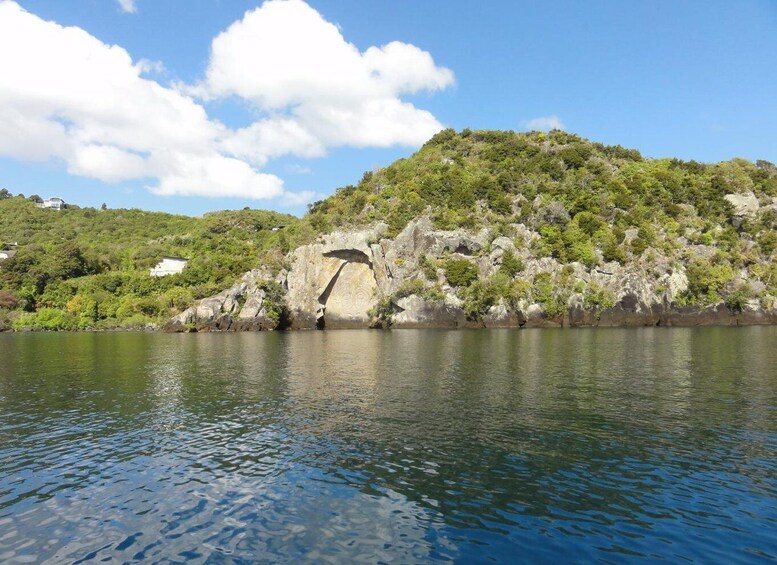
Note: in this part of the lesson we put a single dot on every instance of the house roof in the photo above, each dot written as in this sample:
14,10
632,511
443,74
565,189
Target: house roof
174,258
8,253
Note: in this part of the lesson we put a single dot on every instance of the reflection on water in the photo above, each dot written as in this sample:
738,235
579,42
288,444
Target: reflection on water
397,446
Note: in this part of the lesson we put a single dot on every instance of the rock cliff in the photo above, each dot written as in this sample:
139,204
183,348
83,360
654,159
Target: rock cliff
361,278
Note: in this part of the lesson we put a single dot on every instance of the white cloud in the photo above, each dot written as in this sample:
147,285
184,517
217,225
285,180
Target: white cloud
67,96
544,123
297,169
146,66
300,198
273,137
214,175
128,6
293,65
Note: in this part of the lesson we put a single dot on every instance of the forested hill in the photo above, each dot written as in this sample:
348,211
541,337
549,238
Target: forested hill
553,194
85,267
575,191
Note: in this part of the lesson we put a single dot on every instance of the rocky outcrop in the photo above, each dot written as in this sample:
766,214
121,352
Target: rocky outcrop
242,307
335,283
744,206
359,279
415,312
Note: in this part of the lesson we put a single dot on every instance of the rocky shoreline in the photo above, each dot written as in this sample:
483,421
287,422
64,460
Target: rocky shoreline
360,279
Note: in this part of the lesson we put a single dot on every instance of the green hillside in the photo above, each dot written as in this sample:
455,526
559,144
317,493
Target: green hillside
589,203
82,267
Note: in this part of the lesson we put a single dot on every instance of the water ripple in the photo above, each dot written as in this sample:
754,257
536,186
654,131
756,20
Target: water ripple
605,446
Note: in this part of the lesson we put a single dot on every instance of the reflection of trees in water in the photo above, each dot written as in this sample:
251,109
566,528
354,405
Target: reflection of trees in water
481,425
477,425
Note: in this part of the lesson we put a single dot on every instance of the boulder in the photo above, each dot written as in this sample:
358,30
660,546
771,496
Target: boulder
415,312
745,205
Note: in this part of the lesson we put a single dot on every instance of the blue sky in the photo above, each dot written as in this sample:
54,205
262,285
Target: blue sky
689,79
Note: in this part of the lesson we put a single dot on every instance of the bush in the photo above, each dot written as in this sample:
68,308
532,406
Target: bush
511,265
409,287
767,241
737,299
460,272
706,279
7,300
429,267
542,293
480,296
597,297
46,319
383,311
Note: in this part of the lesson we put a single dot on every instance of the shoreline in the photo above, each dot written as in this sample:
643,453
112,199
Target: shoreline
617,317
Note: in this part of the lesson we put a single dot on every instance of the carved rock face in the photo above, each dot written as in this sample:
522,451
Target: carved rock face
352,295
333,284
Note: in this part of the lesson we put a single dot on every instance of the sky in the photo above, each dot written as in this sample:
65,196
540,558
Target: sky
189,107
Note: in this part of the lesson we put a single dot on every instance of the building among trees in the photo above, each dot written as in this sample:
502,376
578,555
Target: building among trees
55,203
169,266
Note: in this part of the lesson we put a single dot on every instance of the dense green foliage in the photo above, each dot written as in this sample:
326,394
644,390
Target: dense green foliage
585,202
589,203
460,272
91,267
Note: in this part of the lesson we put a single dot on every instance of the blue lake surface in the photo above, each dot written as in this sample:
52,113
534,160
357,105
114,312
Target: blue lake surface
547,446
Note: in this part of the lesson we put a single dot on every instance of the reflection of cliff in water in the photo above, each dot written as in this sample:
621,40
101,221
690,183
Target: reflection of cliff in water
526,417
503,431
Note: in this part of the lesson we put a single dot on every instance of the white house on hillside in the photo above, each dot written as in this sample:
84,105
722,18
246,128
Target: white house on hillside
169,266
55,203
6,254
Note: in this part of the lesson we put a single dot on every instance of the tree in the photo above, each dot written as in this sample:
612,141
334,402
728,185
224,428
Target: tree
7,300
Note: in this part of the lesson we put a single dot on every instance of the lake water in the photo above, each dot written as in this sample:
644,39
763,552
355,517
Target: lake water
404,446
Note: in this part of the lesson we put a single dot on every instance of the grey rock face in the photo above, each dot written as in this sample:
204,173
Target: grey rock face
240,307
359,279
745,205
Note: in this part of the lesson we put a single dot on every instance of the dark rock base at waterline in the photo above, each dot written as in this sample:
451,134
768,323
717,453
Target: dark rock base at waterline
618,316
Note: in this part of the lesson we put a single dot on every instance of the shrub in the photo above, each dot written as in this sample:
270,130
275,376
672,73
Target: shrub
383,311
274,300
46,319
434,294
542,293
479,297
706,279
460,272
767,241
7,300
511,265
598,298
737,299
429,267
409,287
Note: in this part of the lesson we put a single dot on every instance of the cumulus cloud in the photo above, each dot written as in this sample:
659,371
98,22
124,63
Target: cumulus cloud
128,6
314,86
67,96
544,123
